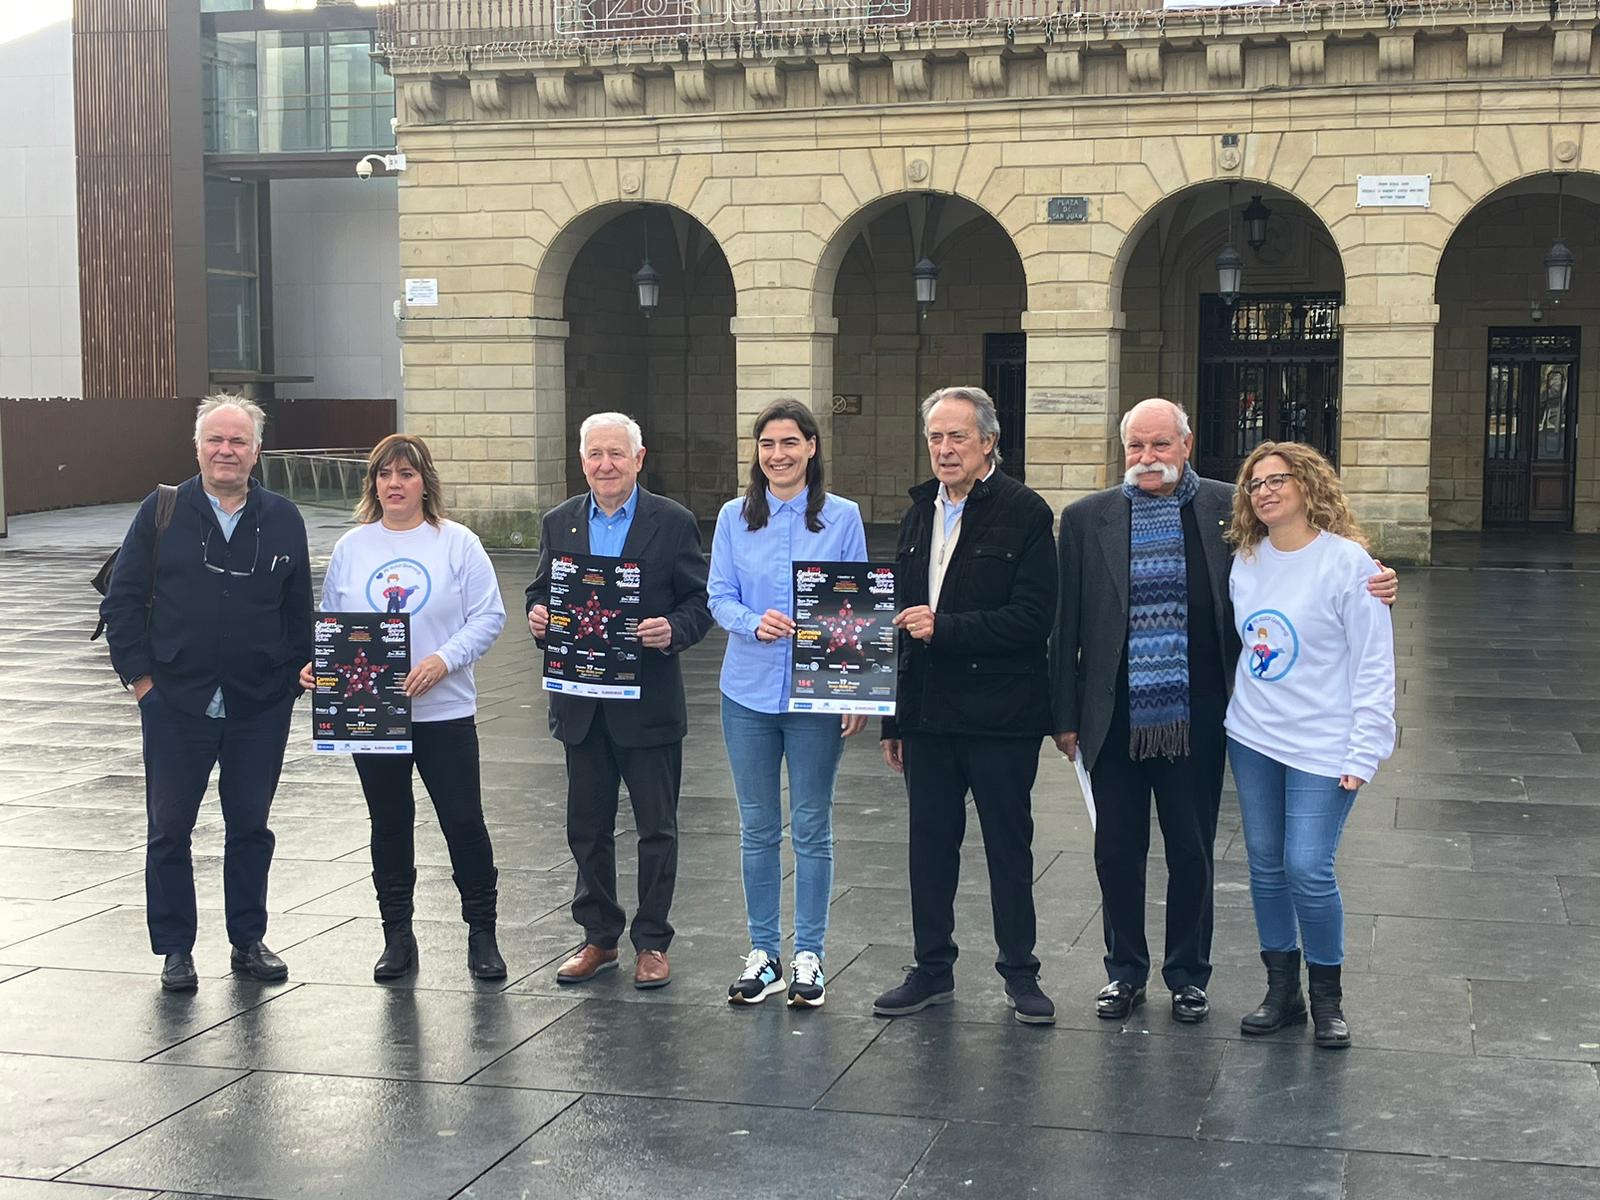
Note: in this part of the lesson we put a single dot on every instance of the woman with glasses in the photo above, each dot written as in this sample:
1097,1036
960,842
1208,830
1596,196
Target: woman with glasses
785,516
1312,716
404,556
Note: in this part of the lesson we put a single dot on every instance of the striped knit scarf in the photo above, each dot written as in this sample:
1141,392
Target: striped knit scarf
1158,622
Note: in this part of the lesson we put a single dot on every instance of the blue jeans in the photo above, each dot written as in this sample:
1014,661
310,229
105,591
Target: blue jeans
1292,824
757,745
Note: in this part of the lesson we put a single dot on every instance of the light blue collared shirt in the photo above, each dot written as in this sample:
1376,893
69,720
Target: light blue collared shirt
228,521
754,571
607,534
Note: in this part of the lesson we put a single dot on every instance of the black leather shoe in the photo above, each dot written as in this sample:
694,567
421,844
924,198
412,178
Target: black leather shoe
1117,1000
256,961
914,995
1189,1005
1032,1006
399,957
178,973
1331,1031
483,955
1284,1003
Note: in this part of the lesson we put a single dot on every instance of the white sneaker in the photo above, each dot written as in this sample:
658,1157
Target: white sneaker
761,977
806,988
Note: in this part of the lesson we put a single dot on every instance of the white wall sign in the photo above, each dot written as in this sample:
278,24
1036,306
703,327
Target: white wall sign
422,293
1180,5
1394,191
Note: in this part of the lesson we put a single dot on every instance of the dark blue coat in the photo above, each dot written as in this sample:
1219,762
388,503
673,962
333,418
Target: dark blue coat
250,632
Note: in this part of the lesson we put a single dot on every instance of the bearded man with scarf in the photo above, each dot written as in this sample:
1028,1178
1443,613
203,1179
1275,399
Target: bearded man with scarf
1141,662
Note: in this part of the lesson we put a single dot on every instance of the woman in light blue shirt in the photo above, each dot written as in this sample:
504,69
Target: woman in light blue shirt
785,517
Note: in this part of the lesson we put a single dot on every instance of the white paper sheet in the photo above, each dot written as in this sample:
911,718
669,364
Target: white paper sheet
1083,783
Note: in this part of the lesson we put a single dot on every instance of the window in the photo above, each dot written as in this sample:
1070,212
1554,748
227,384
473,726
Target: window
277,91
233,302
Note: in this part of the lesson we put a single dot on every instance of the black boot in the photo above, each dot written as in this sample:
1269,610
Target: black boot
1327,1015
1285,1003
479,906
394,890
399,957
483,954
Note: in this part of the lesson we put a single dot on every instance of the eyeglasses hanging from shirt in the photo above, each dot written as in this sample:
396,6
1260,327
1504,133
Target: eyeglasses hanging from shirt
205,552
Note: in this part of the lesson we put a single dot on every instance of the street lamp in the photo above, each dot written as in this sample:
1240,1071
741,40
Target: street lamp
1230,267
1558,263
1255,223
926,277
647,280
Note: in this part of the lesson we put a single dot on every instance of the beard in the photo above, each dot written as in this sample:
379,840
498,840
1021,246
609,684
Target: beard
1169,473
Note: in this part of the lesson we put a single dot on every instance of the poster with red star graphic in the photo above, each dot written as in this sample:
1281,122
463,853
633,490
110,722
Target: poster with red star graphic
844,639
360,661
593,645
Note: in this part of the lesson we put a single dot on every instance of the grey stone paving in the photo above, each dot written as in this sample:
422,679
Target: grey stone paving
1471,872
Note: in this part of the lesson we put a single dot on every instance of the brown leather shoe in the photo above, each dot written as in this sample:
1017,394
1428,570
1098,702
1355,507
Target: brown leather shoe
651,970
586,964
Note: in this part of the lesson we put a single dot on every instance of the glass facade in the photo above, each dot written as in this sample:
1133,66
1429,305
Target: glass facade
233,293
278,91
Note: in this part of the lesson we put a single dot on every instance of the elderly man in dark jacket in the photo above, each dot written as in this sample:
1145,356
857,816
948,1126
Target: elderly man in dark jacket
208,624
978,577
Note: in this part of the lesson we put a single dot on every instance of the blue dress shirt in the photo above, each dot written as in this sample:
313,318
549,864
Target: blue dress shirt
607,534
752,571
228,521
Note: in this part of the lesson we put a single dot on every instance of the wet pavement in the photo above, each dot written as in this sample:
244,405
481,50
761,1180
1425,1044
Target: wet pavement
1471,873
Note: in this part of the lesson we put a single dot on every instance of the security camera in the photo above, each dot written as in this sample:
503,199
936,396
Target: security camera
364,169
392,163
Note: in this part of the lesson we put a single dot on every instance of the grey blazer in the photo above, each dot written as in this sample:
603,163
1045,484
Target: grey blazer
1092,620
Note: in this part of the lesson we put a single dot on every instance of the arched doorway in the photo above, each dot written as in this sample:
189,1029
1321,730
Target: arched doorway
1261,365
890,351
671,368
1515,365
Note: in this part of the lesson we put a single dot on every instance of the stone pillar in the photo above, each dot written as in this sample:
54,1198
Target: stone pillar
783,356
1386,417
1074,360
489,394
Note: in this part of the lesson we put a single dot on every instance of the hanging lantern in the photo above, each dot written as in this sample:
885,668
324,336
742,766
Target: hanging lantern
925,275
648,282
1255,218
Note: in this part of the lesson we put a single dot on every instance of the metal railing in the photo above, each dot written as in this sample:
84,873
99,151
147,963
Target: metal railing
423,30
316,476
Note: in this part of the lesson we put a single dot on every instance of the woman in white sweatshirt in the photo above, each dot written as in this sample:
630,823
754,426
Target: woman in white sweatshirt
405,557
1312,716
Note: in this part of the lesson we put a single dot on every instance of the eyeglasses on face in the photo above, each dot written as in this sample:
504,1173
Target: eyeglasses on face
205,556
1272,483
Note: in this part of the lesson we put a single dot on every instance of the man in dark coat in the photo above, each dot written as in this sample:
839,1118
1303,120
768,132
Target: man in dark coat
978,580
209,624
638,741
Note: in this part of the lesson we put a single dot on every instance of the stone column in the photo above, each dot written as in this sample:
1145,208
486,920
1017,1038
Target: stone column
783,356
1074,359
489,394
1386,417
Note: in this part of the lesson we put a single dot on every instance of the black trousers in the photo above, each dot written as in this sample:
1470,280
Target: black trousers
179,752
595,768
445,754
999,772
1188,794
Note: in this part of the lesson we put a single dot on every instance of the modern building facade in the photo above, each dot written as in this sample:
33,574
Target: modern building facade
179,211
1390,178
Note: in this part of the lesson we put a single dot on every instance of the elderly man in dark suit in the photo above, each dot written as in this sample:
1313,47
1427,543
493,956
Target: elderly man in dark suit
637,741
978,578
1142,663
208,623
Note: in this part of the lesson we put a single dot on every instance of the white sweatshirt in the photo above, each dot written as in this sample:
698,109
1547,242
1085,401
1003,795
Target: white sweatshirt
1315,684
444,579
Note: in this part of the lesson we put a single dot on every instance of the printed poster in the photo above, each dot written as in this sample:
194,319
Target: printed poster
360,660
592,647
844,640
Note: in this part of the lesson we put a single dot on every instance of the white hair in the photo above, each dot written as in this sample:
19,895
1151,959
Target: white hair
220,400
611,420
1178,415
988,418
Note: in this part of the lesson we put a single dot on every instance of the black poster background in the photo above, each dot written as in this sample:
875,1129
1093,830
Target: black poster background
844,641
360,660
592,646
